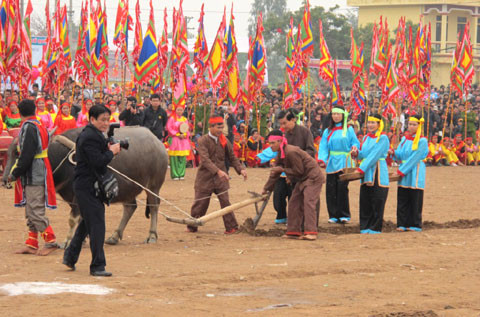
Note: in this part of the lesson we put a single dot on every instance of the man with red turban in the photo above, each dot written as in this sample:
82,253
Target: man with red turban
212,176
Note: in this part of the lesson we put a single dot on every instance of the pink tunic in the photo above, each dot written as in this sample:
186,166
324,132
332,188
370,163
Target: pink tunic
179,146
45,119
82,119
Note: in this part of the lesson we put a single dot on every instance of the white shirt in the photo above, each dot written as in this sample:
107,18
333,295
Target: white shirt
213,137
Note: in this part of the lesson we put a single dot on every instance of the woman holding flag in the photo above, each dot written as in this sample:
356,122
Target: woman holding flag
411,152
375,181
334,154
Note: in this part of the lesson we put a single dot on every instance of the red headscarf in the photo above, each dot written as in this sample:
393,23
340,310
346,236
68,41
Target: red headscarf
84,105
217,120
282,145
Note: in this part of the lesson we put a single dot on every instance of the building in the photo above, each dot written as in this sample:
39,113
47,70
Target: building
447,19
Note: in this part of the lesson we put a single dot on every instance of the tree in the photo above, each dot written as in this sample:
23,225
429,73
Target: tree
336,29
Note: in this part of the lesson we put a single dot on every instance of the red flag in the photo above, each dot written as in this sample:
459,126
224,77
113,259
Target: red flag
216,58
138,35
325,63
257,62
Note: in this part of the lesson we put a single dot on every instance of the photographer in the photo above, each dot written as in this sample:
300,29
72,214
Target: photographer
93,155
131,115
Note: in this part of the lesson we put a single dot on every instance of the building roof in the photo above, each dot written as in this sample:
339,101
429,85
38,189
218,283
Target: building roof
365,3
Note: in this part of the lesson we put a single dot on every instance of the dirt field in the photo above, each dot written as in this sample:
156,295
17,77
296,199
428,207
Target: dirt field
343,273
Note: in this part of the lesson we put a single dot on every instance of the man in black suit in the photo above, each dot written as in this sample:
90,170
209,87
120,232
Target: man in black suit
155,117
93,155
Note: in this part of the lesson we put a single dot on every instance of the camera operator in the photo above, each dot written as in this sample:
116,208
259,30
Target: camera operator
155,117
93,155
131,115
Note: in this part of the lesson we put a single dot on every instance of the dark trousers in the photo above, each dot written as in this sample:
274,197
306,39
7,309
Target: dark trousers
281,194
93,225
372,205
409,207
200,207
302,215
337,197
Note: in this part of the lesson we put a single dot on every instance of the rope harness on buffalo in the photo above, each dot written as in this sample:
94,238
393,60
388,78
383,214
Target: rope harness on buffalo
71,145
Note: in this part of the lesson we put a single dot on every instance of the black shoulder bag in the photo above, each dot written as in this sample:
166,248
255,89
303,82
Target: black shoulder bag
106,185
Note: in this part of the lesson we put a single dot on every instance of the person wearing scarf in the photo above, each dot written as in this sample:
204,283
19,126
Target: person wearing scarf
334,154
375,182
64,120
472,152
82,117
449,150
179,147
238,145
213,149
303,170
460,148
43,115
34,187
410,153
12,115
112,105
437,152
254,146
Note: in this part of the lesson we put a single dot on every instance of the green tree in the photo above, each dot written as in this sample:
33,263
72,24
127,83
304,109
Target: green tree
276,22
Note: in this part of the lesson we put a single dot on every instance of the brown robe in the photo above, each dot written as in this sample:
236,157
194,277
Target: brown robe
212,159
301,137
305,172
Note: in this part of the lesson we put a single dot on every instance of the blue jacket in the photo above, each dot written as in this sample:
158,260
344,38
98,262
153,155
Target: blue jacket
267,155
335,149
411,167
373,155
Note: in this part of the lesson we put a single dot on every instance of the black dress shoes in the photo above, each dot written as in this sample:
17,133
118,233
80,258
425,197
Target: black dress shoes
100,273
70,265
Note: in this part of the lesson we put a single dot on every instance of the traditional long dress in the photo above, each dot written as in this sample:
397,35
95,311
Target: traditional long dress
334,151
179,148
472,154
13,120
64,123
375,182
436,153
253,148
412,183
82,119
45,118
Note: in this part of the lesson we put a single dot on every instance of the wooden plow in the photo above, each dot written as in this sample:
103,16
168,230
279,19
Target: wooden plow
197,222
351,174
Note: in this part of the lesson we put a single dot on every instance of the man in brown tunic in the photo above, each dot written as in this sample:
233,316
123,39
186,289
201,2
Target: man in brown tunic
296,134
303,170
212,176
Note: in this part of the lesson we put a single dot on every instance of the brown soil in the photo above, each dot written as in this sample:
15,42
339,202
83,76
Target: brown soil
343,273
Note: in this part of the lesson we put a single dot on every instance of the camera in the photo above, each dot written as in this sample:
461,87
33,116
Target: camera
111,131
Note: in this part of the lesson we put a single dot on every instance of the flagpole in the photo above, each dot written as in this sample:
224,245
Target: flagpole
124,79
305,100
428,115
309,100
195,101
446,114
366,112
466,108
451,122
397,130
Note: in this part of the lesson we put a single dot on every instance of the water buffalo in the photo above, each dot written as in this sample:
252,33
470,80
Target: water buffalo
145,161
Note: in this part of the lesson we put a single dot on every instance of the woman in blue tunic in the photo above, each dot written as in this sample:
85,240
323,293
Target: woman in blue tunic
334,153
375,182
411,152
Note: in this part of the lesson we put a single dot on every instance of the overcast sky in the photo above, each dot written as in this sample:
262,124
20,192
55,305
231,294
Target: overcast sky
213,14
